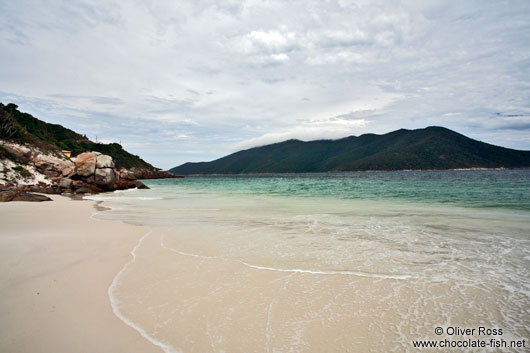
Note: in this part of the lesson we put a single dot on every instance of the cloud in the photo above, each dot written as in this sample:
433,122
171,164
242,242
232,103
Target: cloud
271,41
332,128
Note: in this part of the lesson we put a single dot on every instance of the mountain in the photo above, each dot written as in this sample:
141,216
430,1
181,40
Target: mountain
23,128
430,148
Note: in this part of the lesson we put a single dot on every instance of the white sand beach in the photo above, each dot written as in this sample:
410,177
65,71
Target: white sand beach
57,264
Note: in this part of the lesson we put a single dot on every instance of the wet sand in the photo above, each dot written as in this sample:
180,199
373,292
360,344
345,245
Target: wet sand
57,263
197,303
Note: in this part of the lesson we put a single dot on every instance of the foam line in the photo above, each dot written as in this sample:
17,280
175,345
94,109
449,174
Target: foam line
127,190
113,301
294,270
110,198
315,272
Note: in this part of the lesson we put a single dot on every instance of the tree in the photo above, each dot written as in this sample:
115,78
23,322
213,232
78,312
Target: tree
11,106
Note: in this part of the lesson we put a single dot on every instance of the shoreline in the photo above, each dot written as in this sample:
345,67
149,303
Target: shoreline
59,267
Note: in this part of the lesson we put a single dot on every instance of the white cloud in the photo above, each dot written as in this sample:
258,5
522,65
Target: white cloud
280,57
332,128
273,41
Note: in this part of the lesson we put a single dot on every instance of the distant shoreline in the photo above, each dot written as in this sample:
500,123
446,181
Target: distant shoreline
357,171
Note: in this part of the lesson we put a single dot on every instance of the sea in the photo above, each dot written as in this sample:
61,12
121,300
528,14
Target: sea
328,262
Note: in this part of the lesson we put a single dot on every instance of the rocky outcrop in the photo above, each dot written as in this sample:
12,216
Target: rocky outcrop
94,168
87,173
150,174
50,165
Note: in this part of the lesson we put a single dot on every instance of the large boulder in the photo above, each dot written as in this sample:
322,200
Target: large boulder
106,178
53,166
65,183
85,164
104,161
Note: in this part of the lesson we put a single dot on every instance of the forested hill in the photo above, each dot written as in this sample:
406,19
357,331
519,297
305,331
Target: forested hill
21,127
430,148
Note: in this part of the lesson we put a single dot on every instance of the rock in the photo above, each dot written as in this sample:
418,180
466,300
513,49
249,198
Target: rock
84,190
104,161
37,188
65,183
85,164
36,197
52,189
139,185
20,151
95,189
53,166
68,168
23,188
126,174
105,178
6,196
129,184
164,174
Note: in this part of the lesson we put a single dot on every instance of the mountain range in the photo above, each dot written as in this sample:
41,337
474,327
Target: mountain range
421,149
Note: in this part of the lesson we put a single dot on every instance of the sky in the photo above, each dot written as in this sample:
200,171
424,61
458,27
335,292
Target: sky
181,81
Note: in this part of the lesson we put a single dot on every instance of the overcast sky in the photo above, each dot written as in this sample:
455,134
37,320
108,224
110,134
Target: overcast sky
179,81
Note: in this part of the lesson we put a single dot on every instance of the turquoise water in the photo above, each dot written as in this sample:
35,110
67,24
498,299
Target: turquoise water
469,188
432,248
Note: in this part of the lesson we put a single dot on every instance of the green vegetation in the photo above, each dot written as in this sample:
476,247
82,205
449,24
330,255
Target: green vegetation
24,128
429,148
23,172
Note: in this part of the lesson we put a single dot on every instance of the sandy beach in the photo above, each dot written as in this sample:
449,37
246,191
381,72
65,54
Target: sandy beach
57,265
